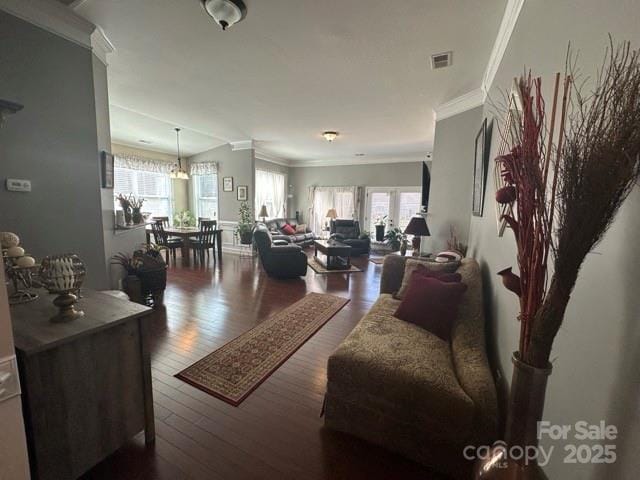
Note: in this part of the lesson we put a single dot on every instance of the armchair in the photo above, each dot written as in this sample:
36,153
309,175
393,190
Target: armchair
279,258
348,232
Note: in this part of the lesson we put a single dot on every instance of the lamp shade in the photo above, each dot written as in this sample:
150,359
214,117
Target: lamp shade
263,211
417,226
332,214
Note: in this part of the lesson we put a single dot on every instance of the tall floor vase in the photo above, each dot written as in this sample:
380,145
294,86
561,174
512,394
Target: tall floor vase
526,404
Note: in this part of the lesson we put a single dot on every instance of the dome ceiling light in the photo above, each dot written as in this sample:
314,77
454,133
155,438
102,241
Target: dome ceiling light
330,136
225,12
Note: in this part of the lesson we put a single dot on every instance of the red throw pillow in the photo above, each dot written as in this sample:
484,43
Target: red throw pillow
431,304
288,229
445,277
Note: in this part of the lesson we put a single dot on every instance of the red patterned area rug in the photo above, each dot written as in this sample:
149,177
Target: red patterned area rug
236,369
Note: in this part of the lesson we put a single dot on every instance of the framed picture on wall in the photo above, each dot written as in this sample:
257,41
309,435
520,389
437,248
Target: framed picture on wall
227,184
480,169
106,160
243,193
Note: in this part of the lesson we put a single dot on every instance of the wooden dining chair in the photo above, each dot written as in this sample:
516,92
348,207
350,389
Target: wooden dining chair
164,220
201,219
205,240
162,238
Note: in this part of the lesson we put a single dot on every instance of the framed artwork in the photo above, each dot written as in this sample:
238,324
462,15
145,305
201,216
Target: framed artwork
243,193
106,160
480,169
227,184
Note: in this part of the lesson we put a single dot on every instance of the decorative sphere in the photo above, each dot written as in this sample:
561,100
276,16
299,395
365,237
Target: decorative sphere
15,252
25,262
9,239
506,194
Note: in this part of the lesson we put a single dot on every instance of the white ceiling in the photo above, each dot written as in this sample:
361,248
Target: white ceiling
290,70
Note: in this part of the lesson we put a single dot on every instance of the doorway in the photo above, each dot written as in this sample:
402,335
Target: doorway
398,204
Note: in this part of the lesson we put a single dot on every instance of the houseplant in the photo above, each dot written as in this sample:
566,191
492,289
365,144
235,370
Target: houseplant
244,230
380,224
136,209
397,240
184,219
125,204
565,193
146,277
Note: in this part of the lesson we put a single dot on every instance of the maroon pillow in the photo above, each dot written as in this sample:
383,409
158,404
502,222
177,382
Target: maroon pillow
440,275
288,229
431,304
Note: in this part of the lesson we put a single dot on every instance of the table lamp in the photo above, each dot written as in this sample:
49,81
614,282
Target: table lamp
418,228
263,213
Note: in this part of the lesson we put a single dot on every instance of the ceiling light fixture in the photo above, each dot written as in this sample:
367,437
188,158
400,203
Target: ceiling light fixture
177,171
330,136
225,12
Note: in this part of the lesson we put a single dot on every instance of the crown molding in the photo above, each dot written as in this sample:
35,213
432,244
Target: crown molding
53,17
242,145
267,157
101,45
508,24
373,160
472,99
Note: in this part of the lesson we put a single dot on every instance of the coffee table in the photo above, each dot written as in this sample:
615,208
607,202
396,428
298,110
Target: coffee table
338,255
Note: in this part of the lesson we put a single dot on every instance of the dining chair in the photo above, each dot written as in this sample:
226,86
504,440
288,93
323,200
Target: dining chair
205,240
164,220
162,238
201,219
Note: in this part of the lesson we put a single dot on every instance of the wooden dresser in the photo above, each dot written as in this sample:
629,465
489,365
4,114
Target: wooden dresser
86,384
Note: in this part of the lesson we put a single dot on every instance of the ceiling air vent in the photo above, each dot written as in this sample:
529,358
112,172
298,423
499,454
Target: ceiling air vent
441,60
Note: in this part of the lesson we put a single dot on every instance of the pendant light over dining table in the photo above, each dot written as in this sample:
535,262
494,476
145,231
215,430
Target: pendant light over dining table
177,171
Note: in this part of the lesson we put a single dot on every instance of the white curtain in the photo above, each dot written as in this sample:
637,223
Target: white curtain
271,192
344,199
203,168
133,162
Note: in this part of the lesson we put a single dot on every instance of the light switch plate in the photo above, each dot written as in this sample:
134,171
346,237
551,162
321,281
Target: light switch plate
18,185
9,381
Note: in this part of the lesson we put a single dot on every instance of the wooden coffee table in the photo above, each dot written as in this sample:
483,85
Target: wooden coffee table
338,255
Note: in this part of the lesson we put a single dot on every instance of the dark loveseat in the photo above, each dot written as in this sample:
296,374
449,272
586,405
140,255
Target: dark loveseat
275,227
284,260
348,232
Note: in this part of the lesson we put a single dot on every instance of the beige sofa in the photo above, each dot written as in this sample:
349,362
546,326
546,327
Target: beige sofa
396,385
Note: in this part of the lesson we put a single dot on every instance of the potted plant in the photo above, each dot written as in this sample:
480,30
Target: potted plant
564,190
125,203
380,224
244,230
396,239
184,219
136,210
146,277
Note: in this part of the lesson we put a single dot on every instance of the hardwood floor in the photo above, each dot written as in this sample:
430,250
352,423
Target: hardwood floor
277,432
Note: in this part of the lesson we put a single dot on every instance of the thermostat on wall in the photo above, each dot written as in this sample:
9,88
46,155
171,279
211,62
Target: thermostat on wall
18,185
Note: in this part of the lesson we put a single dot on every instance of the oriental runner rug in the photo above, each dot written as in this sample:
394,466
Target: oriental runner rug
233,371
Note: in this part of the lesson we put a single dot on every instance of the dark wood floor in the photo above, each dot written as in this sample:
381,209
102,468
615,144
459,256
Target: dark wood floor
277,432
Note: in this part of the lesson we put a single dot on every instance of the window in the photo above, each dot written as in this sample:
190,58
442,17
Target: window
343,199
205,193
271,192
154,187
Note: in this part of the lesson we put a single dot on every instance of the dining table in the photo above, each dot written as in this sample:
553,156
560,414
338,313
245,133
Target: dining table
186,234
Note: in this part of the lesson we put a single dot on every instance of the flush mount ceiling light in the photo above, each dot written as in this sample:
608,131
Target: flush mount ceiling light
177,171
329,136
225,12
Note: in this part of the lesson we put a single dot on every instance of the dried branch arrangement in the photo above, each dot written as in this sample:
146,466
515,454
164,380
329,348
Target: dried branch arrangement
567,190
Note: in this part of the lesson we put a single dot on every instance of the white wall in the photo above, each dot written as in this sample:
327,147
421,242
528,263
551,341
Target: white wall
596,356
453,159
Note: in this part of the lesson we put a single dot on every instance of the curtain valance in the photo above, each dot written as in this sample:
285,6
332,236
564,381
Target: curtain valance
133,162
203,168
